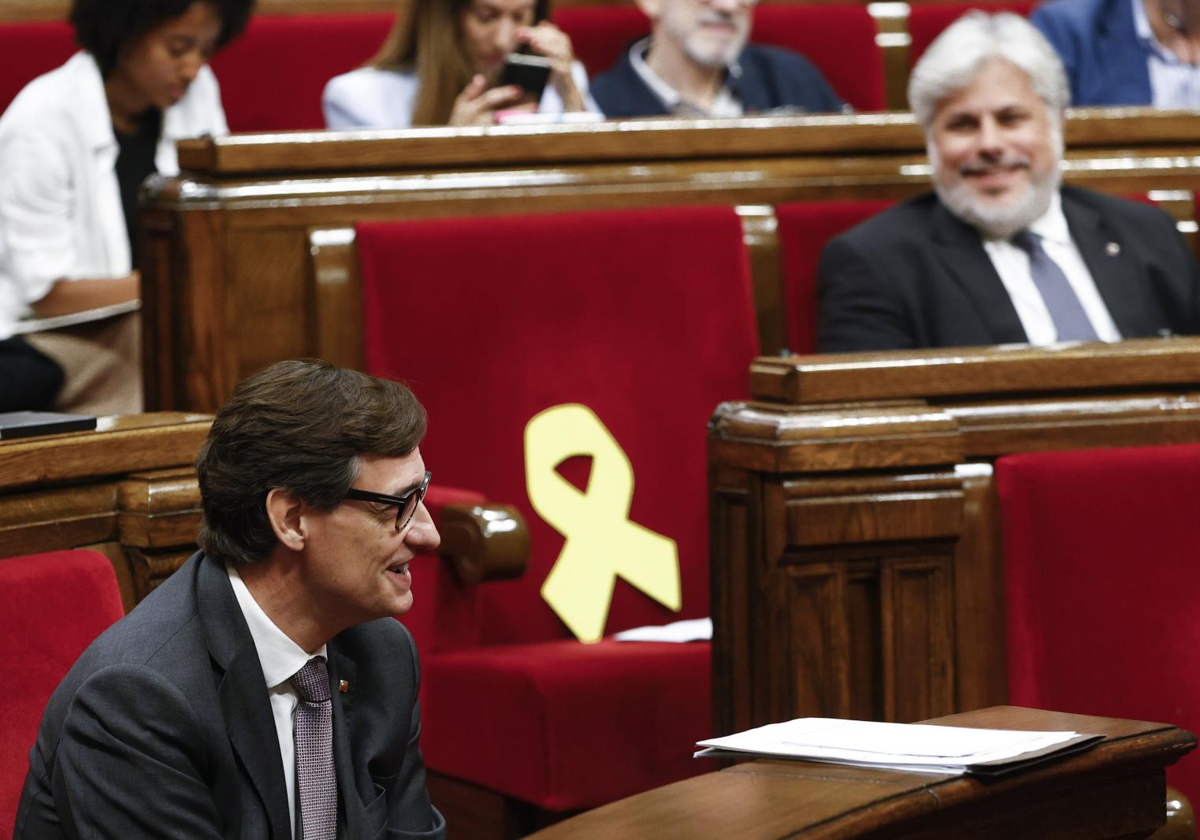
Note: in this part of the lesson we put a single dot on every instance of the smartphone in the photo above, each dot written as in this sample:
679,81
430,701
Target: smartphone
529,72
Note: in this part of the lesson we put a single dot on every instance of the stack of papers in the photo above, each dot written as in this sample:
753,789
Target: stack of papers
689,630
899,746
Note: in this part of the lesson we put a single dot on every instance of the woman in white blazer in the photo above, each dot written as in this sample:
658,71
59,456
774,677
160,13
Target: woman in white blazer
438,64
74,146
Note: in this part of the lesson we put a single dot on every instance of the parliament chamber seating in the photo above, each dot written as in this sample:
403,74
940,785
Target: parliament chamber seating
644,317
804,229
272,77
51,607
1102,584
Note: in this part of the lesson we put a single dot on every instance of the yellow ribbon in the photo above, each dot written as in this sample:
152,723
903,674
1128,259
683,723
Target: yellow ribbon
602,544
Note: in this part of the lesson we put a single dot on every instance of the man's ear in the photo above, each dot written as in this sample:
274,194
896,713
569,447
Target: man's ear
284,510
651,9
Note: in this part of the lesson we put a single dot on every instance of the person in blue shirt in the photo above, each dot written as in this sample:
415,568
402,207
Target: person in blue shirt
1126,52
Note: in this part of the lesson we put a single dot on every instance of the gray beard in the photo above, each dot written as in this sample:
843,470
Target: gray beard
1000,222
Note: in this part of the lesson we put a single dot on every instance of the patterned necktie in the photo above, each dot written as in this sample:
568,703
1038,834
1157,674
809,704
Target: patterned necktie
314,752
1070,321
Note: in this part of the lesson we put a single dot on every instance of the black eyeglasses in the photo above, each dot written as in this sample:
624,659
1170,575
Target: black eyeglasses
406,503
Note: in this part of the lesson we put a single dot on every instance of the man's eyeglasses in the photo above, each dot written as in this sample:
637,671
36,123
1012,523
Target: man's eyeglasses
406,503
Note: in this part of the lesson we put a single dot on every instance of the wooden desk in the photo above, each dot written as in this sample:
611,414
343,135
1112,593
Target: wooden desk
1114,790
127,489
229,280
856,555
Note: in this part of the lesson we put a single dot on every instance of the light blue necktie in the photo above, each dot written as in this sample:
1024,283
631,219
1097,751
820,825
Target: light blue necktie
1070,321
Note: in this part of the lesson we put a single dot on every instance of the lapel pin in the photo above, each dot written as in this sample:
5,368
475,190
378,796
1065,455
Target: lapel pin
343,686
1112,249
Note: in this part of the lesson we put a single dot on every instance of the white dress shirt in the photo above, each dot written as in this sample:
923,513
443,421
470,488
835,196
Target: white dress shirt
385,99
60,204
1173,82
280,658
726,104
1012,264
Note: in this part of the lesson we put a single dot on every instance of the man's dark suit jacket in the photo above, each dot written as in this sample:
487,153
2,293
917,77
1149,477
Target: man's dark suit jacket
771,79
917,276
163,728
1098,44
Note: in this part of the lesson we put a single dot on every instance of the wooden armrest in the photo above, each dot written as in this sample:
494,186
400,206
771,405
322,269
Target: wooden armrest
1181,821
484,542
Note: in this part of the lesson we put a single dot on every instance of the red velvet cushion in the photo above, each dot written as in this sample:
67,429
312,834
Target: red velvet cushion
804,229
644,315
272,77
927,20
599,34
51,607
567,726
27,50
1103,586
838,38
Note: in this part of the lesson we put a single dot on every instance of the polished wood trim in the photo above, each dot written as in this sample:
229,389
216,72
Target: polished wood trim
962,371
1113,790
632,140
760,232
484,542
119,445
336,302
894,42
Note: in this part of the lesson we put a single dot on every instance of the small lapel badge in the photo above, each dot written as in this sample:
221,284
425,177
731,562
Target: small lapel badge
1112,249
343,686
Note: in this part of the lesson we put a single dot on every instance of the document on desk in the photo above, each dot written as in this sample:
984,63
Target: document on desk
900,746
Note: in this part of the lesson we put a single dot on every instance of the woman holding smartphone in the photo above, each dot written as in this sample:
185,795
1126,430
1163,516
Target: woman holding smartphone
441,60
75,145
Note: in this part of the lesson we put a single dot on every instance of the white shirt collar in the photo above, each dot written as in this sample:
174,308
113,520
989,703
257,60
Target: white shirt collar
279,656
1146,37
666,94
1052,225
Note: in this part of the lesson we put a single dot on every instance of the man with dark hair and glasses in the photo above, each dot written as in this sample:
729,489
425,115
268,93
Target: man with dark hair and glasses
264,690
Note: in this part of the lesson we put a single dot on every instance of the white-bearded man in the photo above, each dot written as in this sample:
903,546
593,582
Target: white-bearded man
1001,253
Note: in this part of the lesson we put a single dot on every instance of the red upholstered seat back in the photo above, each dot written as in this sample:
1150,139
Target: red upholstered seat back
51,607
1103,585
838,39
645,316
927,20
600,33
272,77
29,49
804,228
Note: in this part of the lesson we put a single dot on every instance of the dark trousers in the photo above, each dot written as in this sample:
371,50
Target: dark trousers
29,380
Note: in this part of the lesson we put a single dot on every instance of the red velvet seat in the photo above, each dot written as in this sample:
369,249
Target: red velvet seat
51,607
1103,586
272,77
644,316
599,34
838,39
927,20
29,49
804,229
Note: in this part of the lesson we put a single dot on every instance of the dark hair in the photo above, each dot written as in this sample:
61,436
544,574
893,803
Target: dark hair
300,426
427,38
103,27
